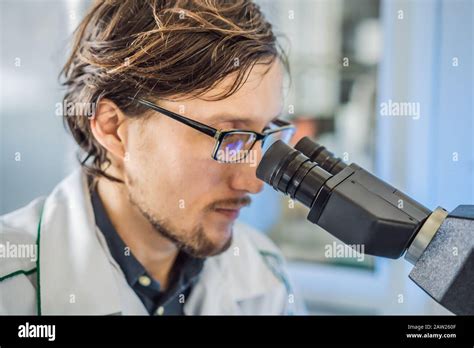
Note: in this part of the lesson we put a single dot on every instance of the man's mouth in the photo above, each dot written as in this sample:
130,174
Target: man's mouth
231,208
230,213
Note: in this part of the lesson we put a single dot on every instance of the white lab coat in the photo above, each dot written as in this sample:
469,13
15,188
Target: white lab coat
74,273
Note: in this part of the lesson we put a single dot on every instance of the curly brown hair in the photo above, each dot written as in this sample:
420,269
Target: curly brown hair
159,48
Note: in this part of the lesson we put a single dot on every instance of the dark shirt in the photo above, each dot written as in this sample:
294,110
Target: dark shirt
184,272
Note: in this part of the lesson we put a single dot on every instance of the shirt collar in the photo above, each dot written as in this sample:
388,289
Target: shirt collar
187,268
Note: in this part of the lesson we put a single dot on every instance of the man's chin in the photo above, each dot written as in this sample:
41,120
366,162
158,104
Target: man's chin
226,245
219,242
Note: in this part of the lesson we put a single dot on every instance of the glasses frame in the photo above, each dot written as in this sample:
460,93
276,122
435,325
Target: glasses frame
218,134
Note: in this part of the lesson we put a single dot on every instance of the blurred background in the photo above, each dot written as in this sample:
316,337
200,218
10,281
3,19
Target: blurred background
350,60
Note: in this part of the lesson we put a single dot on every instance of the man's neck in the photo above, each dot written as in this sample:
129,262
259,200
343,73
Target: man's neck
155,252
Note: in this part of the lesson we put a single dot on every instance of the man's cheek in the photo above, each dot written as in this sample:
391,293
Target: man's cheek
193,194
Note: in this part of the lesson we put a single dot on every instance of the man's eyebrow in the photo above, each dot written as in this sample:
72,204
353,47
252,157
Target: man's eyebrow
231,117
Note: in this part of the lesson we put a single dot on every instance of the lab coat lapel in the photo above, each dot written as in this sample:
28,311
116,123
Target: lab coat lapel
75,274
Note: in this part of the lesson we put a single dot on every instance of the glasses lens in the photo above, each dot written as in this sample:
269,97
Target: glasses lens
235,147
283,135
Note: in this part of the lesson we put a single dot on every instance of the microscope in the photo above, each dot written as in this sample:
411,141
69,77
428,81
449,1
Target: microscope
361,210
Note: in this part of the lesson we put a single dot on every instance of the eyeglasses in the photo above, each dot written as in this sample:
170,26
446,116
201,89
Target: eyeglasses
231,145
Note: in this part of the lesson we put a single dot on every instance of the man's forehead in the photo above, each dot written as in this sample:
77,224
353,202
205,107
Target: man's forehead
260,99
239,116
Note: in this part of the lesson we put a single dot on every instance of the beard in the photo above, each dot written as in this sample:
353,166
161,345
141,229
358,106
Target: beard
194,242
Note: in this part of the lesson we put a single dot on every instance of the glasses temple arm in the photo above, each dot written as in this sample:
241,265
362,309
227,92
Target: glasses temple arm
187,121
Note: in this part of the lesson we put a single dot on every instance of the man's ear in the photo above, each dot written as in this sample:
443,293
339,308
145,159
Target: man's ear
105,126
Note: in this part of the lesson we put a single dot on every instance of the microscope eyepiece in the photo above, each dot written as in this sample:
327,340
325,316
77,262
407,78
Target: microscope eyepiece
289,171
319,154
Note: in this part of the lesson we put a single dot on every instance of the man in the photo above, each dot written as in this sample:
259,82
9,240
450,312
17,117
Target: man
171,102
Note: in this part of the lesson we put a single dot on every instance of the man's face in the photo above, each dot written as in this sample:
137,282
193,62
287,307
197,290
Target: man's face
172,179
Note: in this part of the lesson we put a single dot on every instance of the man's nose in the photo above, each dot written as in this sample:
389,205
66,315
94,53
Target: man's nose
244,177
